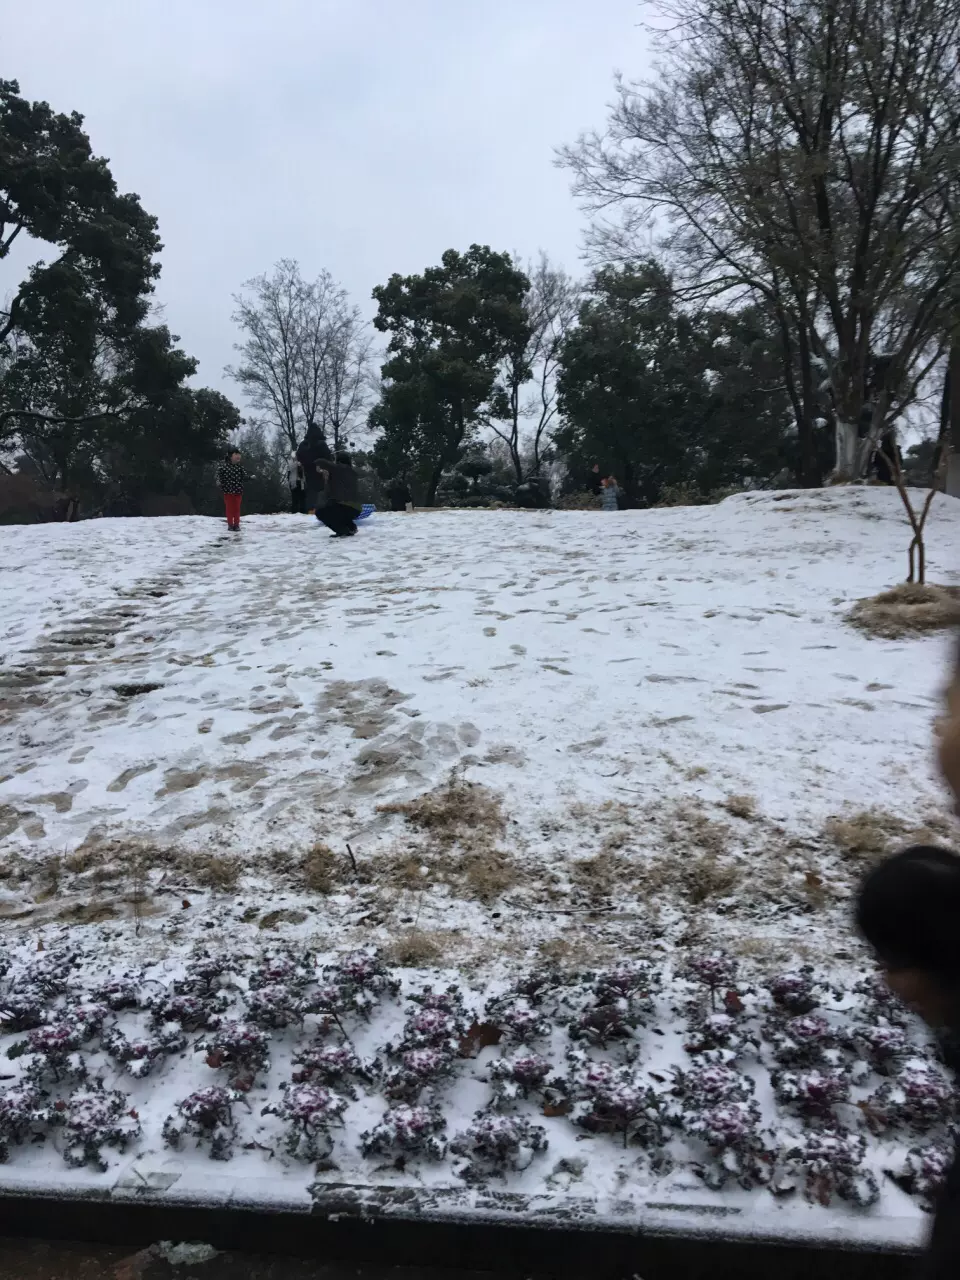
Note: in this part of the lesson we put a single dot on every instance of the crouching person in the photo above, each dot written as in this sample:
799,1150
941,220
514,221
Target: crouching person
339,512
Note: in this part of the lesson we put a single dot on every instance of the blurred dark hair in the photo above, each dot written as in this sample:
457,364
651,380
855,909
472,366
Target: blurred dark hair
234,448
344,458
908,909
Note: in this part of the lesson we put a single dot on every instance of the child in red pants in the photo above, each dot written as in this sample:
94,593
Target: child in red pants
230,478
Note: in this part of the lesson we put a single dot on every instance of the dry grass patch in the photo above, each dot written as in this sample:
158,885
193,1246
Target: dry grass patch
741,806
706,877
415,948
486,875
211,871
320,868
601,876
691,827
870,835
908,609
459,812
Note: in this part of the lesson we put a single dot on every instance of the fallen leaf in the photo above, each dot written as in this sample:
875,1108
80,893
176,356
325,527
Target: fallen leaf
480,1036
185,904
732,1002
552,1109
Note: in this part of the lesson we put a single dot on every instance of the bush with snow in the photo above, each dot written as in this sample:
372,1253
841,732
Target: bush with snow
193,1012
23,1007
633,981
918,1098
831,1163
721,1037
407,1131
336,1066
493,1145
812,1094
120,993
615,1100
21,1110
207,1116
806,1040
240,1047
518,1020
309,1111
283,970
715,970
925,1169
139,1055
710,1084
883,1046
95,1118
51,972
363,979
203,975
274,1006
796,991
517,1076
419,1069
737,1147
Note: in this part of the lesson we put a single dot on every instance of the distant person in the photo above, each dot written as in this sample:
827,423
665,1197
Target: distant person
342,490
312,452
610,494
295,481
887,460
595,480
399,496
230,478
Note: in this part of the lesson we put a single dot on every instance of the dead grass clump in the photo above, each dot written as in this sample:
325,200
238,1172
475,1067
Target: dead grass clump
319,869
908,609
706,877
866,835
211,871
459,812
415,948
741,806
488,874
689,825
599,877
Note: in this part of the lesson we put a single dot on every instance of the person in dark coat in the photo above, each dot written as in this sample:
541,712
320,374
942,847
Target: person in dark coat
595,480
909,911
230,478
399,495
312,452
342,490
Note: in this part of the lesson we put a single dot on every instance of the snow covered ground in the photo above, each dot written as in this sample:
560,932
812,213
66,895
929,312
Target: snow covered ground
487,744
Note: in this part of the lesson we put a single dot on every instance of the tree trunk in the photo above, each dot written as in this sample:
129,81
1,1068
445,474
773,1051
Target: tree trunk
847,460
430,498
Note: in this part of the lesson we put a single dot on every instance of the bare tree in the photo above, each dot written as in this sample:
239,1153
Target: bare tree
804,153
527,391
349,386
289,325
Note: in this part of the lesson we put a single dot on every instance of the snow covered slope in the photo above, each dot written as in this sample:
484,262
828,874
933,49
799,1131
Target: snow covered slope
483,742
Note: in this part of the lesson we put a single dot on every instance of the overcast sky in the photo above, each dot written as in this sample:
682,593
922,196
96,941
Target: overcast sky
364,136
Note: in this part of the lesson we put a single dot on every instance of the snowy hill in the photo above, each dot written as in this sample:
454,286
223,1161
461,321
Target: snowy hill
483,742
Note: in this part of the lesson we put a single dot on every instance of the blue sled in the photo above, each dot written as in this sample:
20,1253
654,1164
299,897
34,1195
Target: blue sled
366,511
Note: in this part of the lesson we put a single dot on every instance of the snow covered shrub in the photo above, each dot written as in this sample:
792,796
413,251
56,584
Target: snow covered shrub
716,971
813,1094
192,1012
274,1006
517,1077
363,978
407,1131
203,976
419,1069
831,1162
803,1041
795,992
51,971
141,1054
330,1065
95,1118
880,1002
602,1023
615,1100
925,1169
22,1007
20,1109
492,1145
883,1046
719,1036
206,1115
437,1021
732,1136
519,1022
283,970
632,981
711,1085
120,993
918,1098
240,1047
55,1049
308,1110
